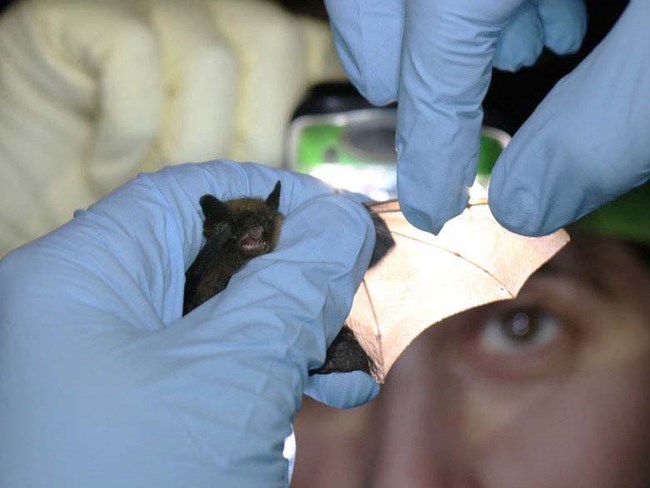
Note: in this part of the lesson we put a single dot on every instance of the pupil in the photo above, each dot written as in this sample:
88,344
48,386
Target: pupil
520,326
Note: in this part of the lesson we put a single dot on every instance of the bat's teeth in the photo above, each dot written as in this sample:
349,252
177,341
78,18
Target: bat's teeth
253,240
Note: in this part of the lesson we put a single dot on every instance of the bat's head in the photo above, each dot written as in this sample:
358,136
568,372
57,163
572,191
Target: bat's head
253,223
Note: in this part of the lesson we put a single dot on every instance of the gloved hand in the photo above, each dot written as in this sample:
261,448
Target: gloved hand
586,144
91,93
104,384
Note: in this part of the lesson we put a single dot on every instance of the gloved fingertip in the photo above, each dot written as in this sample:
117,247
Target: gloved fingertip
368,39
521,41
342,390
421,219
517,210
378,92
565,24
510,58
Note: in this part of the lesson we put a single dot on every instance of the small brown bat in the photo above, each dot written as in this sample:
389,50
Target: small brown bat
238,230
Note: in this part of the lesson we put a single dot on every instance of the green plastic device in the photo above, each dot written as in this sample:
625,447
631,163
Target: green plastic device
355,150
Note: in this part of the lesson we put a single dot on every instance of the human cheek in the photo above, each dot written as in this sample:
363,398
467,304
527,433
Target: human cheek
508,358
590,431
569,406
419,419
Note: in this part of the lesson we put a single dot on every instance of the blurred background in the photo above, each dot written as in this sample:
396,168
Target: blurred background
92,93
551,389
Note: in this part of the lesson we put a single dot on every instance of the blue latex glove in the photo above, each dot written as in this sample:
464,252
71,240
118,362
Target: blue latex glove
586,144
104,384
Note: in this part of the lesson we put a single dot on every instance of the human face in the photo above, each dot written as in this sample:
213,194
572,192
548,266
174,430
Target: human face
549,389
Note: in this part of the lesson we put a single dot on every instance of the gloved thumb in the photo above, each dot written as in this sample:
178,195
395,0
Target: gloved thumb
342,390
589,140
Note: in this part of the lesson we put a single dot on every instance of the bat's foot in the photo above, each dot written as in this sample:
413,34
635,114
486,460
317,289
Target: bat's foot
344,355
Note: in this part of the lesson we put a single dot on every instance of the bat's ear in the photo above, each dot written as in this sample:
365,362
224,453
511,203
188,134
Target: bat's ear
214,209
273,200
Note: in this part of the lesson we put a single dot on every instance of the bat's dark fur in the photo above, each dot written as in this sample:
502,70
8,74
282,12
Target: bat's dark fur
238,230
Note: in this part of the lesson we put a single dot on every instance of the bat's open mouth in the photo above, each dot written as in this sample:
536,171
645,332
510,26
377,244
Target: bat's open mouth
253,240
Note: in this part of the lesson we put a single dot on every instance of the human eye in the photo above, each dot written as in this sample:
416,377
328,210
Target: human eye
517,341
519,331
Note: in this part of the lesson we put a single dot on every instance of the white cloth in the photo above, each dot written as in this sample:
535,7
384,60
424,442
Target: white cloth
92,93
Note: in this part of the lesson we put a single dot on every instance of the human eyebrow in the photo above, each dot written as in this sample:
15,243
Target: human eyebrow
596,263
566,267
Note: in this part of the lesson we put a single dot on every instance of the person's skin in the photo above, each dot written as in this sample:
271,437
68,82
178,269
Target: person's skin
469,405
